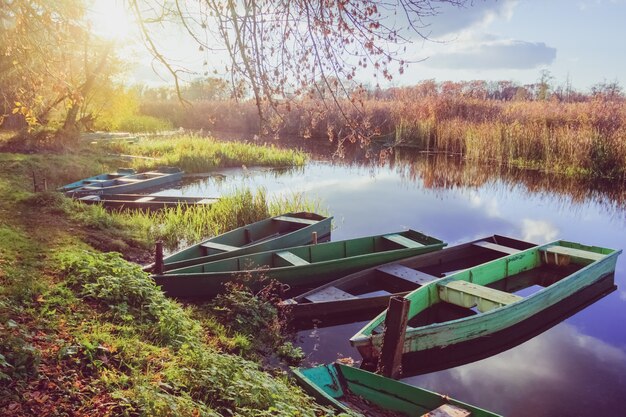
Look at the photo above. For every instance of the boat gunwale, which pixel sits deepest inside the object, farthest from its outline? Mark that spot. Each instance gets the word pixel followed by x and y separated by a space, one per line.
pixel 363 338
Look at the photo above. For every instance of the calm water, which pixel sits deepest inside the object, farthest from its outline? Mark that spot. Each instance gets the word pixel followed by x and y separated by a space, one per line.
pixel 577 368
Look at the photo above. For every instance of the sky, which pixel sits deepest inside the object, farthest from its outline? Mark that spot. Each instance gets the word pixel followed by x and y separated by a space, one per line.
pixel 577 40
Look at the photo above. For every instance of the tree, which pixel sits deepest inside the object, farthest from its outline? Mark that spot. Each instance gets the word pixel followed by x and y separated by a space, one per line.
pixel 50 62
pixel 284 49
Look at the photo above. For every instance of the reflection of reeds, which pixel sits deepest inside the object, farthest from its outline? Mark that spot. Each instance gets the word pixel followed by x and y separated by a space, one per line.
pixel 583 138
pixel 445 172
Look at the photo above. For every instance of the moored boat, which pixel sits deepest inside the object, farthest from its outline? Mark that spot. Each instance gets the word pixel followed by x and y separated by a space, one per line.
pixel 371 289
pixel 121 172
pixel 296 266
pixel 143 202
pixel 494 296
pixel 283 231
pixel 358 392
pixel 130 183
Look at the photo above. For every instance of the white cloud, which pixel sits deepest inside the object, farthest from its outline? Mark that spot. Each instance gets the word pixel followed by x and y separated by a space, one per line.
pixel 538 231
pixel 495 54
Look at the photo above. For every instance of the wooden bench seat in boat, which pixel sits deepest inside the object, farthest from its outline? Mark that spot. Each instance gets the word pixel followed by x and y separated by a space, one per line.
pixel 295 220
pixel 407 274
pixel 401 240
pixel 496 247
pixel 330 294
pixel 467 294
pixel 562 255
pixel 292 258
pixel 129 179
pixel 218 246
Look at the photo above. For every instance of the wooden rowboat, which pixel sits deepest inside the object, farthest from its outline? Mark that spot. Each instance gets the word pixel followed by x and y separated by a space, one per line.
pixel 541 277
pixel 370 289
pixel 130 183
pixel 121 172
pixel 358 392
pixel 142 201
pixel 297 266
pixel 286 230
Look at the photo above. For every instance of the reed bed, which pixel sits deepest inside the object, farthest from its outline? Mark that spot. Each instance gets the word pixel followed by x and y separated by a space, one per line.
pixel 584 138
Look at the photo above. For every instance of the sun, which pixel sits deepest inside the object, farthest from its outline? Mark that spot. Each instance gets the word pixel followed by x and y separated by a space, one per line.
pixel 111 19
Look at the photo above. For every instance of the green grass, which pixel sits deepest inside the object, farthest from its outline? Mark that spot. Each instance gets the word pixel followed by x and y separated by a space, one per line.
pixel 196 154
pixel 88 333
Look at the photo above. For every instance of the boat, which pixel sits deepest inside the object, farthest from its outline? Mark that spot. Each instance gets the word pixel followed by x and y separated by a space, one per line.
pixel 371 289
pixel 492 296
pixel 358 392
pixel 283 231
pixel 143 202
pixel 129 183
pixel 121 172
pixel 296 266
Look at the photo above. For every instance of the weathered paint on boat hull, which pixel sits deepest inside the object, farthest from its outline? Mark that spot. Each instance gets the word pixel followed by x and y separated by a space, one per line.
pixel 486 323
pixel 333 385
pixel 288 234
pixel 457 257
pixel 319 263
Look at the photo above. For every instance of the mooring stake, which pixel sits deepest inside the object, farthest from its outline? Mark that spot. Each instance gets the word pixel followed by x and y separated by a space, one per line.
pixel 314 238
pixel 390 361
pixel 158 258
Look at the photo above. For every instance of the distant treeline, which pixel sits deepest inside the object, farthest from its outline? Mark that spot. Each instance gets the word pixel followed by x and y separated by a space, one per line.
pixel 536 125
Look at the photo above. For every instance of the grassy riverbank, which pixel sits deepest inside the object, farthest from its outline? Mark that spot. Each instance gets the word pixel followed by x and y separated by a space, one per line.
pixel 87 333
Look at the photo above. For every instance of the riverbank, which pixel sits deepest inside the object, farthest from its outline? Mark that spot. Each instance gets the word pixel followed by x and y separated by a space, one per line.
pixel 84 331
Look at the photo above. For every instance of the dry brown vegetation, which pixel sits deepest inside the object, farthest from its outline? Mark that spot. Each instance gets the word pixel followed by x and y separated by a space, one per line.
pixel 567 132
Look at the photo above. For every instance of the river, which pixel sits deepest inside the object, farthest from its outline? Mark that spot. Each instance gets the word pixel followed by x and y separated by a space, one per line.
pixel 577 367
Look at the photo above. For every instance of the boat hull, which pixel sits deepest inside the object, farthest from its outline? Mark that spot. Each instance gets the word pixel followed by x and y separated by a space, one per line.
pixel 319 263
pixel 438 263
pixel 337 385
pixel 287 234
pixel 131 183
pixel 448 333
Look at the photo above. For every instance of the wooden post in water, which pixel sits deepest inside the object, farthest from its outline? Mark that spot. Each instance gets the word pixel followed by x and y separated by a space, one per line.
pixel 158 258
pixel 314 238
pixel 390 361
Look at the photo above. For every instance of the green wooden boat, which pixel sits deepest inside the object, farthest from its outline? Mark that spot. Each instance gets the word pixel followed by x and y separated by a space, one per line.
pixel 371 289
pixel 284 231
pixel 130 183
pixel 144 202
pixel 358 392
pixel 543 276
pixel 297 266
pixel 121 172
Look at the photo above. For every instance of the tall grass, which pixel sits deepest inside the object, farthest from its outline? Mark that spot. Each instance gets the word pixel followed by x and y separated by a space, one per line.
pixel 196 154
pixel 584 138
pixel 181 225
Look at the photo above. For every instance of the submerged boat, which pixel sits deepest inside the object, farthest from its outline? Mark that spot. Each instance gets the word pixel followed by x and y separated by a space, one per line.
pixel 493 296
pixel 358 392
pixel 142 201
pixel 296 266
pixel 283 231
pixel 130 183
pixel 371 289
pixel 121 172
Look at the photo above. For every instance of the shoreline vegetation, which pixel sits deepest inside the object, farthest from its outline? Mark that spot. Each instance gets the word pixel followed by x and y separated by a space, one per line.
pixel 84 331
pixel 536 126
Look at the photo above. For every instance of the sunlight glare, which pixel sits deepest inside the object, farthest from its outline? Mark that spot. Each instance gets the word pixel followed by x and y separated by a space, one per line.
pixel 111 19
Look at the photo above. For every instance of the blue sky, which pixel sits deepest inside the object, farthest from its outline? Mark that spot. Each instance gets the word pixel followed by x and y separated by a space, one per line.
pixel 582 40
pixel 515 40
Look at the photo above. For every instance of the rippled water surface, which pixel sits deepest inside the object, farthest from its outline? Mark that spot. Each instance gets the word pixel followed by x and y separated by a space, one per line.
pixel 576 368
